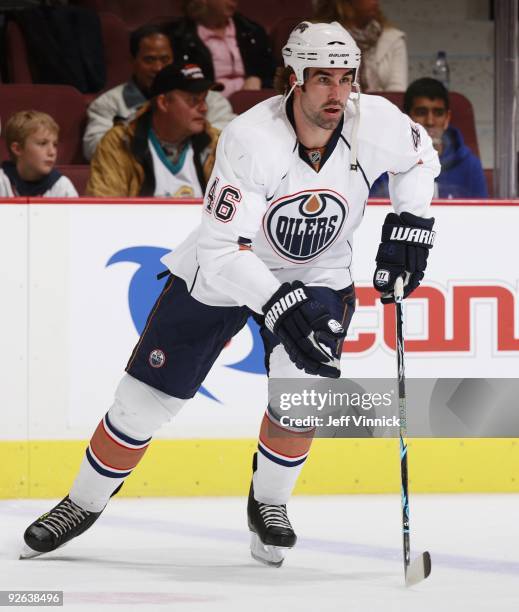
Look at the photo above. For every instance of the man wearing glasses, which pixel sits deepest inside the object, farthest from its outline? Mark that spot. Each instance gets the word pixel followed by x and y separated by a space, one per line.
pixel 168 149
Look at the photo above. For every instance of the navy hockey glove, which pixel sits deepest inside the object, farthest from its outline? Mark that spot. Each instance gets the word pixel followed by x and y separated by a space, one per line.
pixel 406 240
pixel 311 336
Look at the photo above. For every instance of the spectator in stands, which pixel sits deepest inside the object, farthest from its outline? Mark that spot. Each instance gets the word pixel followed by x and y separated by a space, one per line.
pixel 383 47
pixel 32 142
pixel 151 51
pixel 426 101
pixel 167 150
pixel 230 48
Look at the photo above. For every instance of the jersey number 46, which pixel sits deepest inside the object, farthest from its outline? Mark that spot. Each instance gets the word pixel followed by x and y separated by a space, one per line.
pixel 226 202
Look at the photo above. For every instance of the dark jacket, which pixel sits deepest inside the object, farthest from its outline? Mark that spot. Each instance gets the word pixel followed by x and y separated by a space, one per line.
pixel 65 46
pixel 253 44
pixel 461 173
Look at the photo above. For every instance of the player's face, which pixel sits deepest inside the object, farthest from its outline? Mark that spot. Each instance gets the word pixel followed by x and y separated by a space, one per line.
pixel 154 53
pixel 188 111
pixel 37 157
pixel 324 96
pixel 432 114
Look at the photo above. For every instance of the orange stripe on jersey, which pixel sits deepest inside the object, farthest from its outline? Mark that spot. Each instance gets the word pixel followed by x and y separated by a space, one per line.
pixel 280 440
pixel 113 454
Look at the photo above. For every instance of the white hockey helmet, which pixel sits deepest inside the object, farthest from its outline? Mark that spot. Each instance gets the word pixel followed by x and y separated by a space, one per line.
pixel 320 45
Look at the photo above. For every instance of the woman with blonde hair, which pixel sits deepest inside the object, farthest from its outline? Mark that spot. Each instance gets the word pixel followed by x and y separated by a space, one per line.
pixel 383 47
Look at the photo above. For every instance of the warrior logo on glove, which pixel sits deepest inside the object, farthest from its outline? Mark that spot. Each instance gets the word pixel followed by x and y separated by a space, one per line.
pixel 403 252
pixel 310 335
pixel 282 305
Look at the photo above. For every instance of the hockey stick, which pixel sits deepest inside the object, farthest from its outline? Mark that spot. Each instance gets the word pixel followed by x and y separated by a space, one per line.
pixel 420 568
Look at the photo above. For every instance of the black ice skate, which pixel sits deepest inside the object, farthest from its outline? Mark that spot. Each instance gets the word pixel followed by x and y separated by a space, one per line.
pixel 56 527
pixel 271 531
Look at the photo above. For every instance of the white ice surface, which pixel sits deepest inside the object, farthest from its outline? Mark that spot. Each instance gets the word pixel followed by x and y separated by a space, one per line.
pixel 192 554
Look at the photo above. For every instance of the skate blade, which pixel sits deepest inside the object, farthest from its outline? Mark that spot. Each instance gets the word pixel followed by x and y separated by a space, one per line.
pixel 273 556
pixel 29 553
pixel 418 570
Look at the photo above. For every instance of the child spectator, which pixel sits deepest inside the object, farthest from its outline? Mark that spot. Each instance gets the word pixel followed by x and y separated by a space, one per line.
pixel 32 142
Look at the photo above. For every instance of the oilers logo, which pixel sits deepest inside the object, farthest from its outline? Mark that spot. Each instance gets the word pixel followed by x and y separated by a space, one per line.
pixel 301 226
pixel 157 358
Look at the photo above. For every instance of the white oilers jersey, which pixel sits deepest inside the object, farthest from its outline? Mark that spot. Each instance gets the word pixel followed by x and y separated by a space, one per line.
pixel 270 217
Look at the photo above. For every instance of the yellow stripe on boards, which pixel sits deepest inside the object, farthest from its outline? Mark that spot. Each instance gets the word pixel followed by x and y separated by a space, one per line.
pixel 46 468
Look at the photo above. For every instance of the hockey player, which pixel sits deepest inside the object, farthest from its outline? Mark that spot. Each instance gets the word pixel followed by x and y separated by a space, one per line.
pixel 289 188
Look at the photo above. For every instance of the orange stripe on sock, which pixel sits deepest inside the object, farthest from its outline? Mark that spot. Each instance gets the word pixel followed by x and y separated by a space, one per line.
pixel 113 454
pixel 280 440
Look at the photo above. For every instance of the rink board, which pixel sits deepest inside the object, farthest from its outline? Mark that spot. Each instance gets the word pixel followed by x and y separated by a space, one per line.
pixel 79 279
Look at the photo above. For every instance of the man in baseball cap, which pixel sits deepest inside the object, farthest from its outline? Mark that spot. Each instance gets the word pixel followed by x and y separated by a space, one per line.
pixel 168 149
pixel 187 77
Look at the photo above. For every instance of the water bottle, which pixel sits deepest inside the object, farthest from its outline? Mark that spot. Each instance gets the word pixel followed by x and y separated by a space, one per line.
pixel 441 69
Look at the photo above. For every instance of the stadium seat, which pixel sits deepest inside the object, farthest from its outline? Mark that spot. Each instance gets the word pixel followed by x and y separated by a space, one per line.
pixel 462 115
pixel 78 174
pixel 116 37
pixel 268 12
pixel 243 100
pixel 64 103
pixel 489 176
pixel 279 36
pixel 17 58
pixel 134 13
pixel 116 44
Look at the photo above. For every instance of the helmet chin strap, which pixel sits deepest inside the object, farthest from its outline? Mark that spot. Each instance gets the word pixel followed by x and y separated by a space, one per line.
pixel 285 99
pixel 356 120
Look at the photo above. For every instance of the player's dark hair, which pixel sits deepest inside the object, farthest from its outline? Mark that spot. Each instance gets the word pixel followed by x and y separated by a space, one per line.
pixel 425 88
pixel 282 79
pixel 143 32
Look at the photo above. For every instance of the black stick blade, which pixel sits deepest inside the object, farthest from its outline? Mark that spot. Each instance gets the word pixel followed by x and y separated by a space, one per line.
pixel 419 569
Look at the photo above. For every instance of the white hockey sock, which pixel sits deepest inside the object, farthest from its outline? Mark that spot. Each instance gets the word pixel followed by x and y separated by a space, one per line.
pixel 276 476
pixel 120 441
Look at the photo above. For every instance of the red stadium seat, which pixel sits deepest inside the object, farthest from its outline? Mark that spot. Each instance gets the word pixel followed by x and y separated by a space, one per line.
pixel 462 115
pixel 268 12
pixel 116 41
pixel 116 44
pixel 279 36
pixel 64 103
pixel 78 174
pixel 135 13
pixel 489 176
pixel 17 58
pixel 243 100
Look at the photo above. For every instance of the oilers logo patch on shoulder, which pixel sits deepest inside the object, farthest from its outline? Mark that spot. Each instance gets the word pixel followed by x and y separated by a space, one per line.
pixel 301 226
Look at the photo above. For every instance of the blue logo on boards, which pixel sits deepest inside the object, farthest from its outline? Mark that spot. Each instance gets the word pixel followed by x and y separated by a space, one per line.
pixel 144 289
